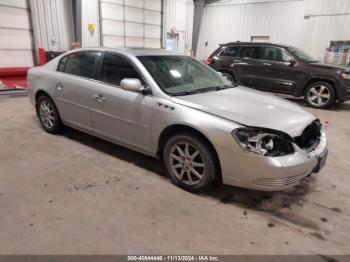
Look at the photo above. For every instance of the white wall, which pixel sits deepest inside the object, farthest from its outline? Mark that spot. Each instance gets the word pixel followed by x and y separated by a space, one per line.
pixel 131 23
pixel 179 14
pixel 90 15
pixel 16 48
pixel 176 13
pixel 282 20
pixel 320 30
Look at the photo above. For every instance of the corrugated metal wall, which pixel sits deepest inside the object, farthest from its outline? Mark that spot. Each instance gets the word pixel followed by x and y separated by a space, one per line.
pixel 282 20
pixel 179 14
pixel 52 24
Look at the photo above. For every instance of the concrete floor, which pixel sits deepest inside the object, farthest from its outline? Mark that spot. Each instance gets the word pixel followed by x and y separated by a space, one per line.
pixel 75 194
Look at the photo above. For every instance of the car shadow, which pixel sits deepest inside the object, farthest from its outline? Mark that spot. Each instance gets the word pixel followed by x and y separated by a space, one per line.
pixel 229 195
pixel 117 151
pixel 263 200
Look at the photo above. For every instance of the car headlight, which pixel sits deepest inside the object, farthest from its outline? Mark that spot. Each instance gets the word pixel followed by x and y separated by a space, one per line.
pixel 263 142
pixel 345 76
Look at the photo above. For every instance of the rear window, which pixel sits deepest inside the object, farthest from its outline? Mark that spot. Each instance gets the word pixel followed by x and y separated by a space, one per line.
pixel 62 64
pixel 230 51
pixel 80 64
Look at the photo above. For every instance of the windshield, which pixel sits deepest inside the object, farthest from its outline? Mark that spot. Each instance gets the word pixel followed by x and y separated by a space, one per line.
pixel 183 75
pixel 302 55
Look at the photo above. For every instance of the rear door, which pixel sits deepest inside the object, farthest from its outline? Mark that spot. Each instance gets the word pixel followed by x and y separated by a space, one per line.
pixel 280 75
pixel 117 114
pixel 226 58
pixel 248 66
pixel 73 84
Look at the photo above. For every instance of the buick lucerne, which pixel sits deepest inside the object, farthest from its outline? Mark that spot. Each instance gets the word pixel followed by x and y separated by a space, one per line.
pixel 177 109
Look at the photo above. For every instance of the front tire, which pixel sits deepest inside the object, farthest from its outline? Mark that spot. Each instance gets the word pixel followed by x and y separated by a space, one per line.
pixel 190 162
pixel 48 115
pixel 320 95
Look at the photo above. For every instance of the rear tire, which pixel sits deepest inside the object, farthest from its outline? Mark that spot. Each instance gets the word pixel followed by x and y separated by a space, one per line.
pixel 48 115
pixel 320 95
pixel 190 162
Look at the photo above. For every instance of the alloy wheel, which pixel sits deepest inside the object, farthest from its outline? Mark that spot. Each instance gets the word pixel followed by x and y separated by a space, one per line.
pixel 187 163
pixel 319 95
pixel 47 114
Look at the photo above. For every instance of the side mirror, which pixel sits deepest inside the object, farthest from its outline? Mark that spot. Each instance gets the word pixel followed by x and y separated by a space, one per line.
pixel 132 85
pixel 219 73
pixel 292 62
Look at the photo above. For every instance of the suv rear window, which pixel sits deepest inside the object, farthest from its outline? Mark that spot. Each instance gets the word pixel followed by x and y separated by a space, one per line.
pixel 230 51
pixel 253 52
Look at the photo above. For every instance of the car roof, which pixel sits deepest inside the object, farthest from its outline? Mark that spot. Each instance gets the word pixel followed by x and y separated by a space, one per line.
pixel 253 43
pixel 132 51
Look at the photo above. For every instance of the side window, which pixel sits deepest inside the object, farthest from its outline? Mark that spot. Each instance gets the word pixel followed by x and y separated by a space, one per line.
pixel 286 56
pixel 62 64
pixel 115 68
pixel 276 54
pixel 253 52
pixel 230 51
pixel 81 64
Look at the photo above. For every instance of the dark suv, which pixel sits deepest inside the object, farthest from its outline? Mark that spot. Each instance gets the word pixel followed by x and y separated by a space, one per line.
pixel 282 69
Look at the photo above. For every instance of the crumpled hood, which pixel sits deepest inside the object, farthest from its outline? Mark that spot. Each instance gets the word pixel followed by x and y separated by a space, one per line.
pixel 251 108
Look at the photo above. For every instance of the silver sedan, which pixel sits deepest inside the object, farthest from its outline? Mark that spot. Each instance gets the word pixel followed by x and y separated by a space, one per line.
pixel 173 107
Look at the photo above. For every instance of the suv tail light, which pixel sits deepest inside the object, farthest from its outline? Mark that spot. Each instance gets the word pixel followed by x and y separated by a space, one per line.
pixel 210 60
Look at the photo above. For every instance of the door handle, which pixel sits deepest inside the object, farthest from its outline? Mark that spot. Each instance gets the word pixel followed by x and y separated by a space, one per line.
pixel 100 98
pixel 267 64
pixel 237 61
pixel 59 86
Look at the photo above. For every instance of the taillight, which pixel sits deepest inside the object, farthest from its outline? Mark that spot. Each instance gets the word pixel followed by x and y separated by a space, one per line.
pixel 210 60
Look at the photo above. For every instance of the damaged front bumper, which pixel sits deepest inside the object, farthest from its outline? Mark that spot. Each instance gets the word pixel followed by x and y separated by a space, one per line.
pixel 273 173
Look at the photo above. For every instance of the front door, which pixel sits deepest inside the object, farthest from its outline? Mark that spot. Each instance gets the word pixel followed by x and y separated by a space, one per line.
pixel 117 114
pixel 280 75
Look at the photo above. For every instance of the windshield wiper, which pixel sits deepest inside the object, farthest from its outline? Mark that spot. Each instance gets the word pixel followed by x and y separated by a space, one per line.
pixel 185 93
pixel 203 90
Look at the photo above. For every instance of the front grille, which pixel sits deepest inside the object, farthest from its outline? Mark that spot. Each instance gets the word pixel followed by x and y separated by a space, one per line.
pixel 278 182
pixel 310 137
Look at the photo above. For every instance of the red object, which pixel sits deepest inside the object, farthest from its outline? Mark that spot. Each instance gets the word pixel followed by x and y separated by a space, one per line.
pixel 42 56
pixel 210 60
pixel 19 82
pixel 14 77
pixel 13 71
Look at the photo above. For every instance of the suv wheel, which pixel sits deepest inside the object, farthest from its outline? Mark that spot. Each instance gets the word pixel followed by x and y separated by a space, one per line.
pixel 48 115
pixel 190 162
pixel 320 95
